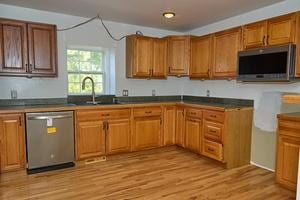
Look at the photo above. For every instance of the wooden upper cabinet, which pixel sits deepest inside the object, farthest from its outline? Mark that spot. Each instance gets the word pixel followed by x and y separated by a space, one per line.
pixel 12 142
pixel 160 51
pixel 13 47
pixel 27 49
pixel 178 55
pixel 226 47
pixel 42 49
pixel 201 56
pixel 254 35
pixel 146 57
pixel 281 30
pixel 274 31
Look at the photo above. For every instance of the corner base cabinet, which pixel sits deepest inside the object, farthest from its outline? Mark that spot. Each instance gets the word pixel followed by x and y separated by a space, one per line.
pixel 12 142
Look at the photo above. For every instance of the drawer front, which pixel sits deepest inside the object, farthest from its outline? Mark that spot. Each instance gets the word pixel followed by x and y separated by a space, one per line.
pixel 195 113
pixel 147 111
pixel 289 127
pixel 214 116
pixel 103 114
pixel 213 150
pixel 213 131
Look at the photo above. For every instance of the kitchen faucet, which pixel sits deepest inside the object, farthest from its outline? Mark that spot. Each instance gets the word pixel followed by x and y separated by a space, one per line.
pixel 93 88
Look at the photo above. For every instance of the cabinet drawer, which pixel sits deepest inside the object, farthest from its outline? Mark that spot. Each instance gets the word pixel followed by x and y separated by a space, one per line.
pixel 213 150
pixel 213 131
pixel 290 126
pixel 147 111
pixel 102 114
pixel 214 116
pixel 192 112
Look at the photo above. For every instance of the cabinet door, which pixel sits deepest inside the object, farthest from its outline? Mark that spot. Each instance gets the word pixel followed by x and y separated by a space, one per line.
pixel 169 125
pixel 193 134
pixel 160 50
pixel 90 140
pixel 42 49
pixel 226 47
pixel 281 30
pixel 143 58
pixel 12 134
pixel 254 35
pixel 180 124
pixel 118 136
pixel 178 55
pixel 201 51
pixel 147 133
pixel 287 161
pixel 13 47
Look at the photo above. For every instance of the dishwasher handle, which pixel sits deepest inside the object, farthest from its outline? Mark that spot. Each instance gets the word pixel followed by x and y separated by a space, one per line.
pixel 50 117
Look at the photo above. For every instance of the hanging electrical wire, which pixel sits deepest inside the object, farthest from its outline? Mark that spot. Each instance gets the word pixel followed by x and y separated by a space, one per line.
pixel 98 17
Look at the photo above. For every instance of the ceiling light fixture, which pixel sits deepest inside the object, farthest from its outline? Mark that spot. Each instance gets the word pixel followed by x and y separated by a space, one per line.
pixel 169 15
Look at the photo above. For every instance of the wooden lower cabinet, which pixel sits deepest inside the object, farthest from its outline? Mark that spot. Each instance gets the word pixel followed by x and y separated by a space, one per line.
pixel 146 132
pixel 288 146
pixel 180 123
pixel 90 139
pixel 118 136
pixel 12 142
pixel 193 131
pixel 169 125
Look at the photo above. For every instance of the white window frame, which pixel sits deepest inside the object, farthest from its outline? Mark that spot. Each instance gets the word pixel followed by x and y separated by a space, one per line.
pixel 104 72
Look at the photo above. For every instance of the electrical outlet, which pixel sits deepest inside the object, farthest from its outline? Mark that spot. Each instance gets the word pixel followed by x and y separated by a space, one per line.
pixel 125 93
pixel 208 93
pixel 153 92
pixel 14 94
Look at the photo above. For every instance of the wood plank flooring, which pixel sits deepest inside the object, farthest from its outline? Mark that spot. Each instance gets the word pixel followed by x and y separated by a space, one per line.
pixel 166 173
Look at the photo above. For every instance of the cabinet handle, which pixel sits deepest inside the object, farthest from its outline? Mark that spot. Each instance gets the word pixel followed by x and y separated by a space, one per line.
pixel 151 72
pixel 212 131
pixel 264 40
pixel 213 116
pixel 210 149
pixel 104 125
pixel 30 68
pixel 107 126
pixel 148 112
pixel 105 115
pixel 193 113
pixel 20 121
pixel 169 69
pixel 267 40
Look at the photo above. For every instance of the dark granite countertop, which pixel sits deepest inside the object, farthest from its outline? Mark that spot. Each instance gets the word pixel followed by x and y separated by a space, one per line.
pixel 53 105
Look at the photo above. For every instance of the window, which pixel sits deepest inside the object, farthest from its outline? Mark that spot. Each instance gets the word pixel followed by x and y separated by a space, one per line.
pixel 83 63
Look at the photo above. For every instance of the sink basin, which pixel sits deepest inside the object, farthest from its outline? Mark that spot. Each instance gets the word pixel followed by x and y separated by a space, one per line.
pixel 89 103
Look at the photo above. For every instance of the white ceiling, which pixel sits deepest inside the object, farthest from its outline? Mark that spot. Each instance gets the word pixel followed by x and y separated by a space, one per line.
pixel 190 14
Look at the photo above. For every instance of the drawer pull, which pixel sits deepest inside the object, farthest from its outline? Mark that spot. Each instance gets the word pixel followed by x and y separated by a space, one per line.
pixel 213 116
pixel 193 113
pixel 105 115
pixel 212 131
pixel 210 149
pixel 148 112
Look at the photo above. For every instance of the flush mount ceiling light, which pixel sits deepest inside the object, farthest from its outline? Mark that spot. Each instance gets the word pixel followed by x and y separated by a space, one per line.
pixel 168 15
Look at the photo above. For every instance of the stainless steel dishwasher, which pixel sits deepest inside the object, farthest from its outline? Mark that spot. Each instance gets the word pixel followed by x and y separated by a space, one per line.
pixel 49 140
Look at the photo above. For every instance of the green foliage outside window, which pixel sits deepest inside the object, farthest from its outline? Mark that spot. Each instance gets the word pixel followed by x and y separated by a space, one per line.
pixel 83 63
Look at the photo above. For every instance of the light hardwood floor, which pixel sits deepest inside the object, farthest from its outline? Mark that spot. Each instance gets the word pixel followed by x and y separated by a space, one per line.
pixel 166 173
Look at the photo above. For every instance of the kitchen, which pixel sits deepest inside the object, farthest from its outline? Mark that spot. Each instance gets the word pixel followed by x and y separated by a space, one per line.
pixel 92 35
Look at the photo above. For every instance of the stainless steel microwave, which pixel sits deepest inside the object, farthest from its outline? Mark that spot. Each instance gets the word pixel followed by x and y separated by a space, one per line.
pixel 269 64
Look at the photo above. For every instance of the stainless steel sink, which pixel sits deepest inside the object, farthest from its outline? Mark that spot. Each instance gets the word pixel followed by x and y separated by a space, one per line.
pixel 90 103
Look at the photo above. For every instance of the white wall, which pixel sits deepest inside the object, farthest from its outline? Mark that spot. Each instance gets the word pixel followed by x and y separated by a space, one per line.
pixel 89 35
pixel 263 141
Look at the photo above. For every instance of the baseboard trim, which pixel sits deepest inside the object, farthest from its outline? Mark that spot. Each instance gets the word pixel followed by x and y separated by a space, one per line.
pixel 260 166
